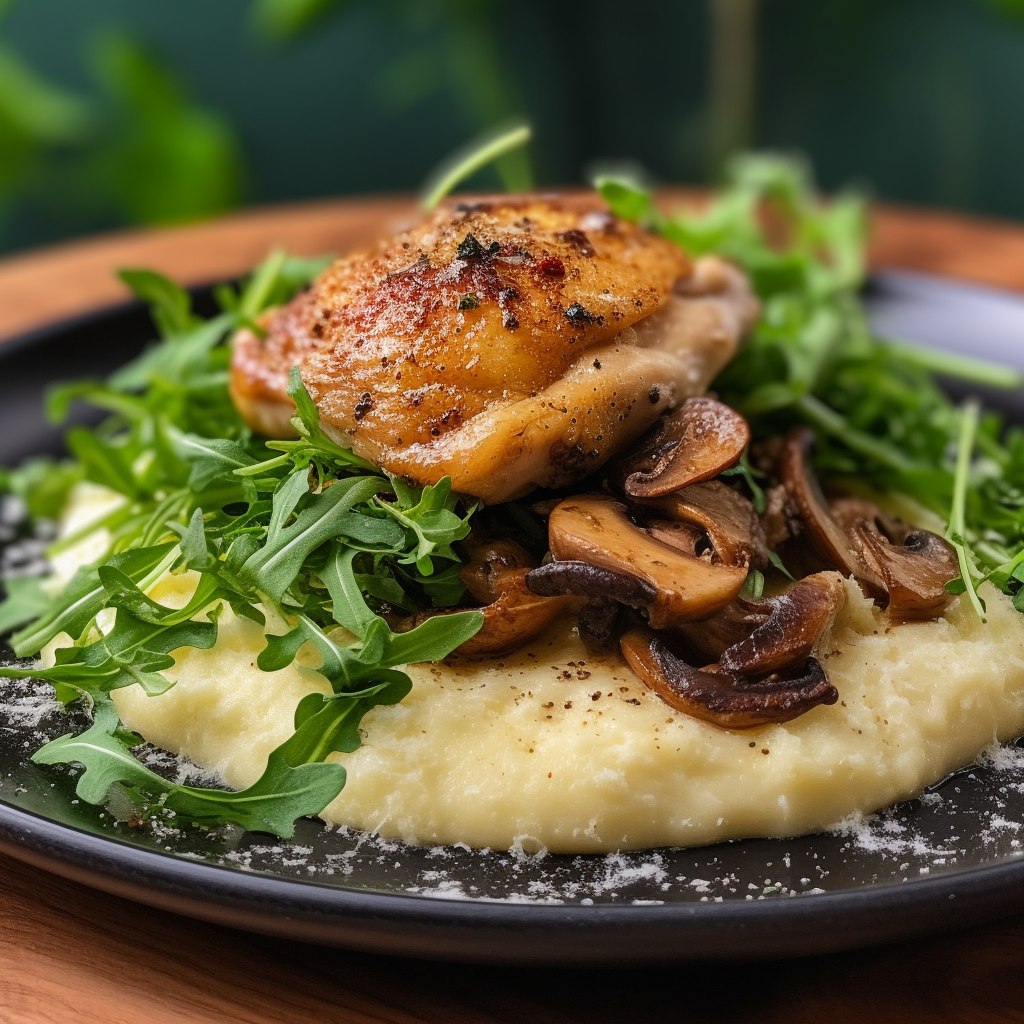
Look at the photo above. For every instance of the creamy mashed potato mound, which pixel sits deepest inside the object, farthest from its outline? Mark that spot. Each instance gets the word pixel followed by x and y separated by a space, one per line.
pixel 554 748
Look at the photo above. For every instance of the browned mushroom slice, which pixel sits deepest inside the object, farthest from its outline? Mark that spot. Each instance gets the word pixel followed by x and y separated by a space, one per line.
pixel 606 591
pixel 847 512
pixel 595 528
pixel 725 698
pixel 730 520
pixel 513 614
pixel 915 573
pixel 682 536
pixel 696 442
pixel 490 564
pixel 794 625
pixel 516 616
pixel 600 623
pixel 712 637
pixel 585 580
pixel 823 534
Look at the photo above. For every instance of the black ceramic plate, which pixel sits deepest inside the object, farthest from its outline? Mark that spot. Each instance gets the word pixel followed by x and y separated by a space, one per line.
pixel 949 859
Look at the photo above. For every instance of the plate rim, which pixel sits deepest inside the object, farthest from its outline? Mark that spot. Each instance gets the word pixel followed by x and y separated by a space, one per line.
pixel 449 929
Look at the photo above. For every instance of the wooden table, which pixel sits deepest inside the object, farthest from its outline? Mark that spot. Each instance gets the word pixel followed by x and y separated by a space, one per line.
pixel 68 953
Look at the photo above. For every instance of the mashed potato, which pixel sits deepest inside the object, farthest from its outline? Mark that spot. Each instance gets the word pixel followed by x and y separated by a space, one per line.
pixel 552 747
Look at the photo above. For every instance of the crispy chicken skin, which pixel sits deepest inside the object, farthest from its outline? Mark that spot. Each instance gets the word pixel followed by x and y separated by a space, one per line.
pixel 508 343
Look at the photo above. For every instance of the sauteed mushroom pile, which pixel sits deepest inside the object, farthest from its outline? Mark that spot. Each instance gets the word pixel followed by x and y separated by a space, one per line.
pixel 659 564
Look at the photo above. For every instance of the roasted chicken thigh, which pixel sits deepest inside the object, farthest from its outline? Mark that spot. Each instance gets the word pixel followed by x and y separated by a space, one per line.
pixel 508 343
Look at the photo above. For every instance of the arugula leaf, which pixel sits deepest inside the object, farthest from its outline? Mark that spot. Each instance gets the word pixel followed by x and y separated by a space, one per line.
pixel 314 445
pixel 104 754
pixel 171 305
pixel 433 639
pixel 326 515
pixel 210 459
pixel 84 596
pixel 292 785
pixel 350 608
pixel 135 651
pixel 956 529
pixel 26 599
pixel 195 548
pixel 282 794
pixel 431 520
pixel 103 462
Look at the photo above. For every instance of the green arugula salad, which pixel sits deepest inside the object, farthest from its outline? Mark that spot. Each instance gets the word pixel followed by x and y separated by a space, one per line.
pixel 306 534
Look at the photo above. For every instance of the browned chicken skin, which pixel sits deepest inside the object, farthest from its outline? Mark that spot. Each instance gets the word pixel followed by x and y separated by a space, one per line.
pixel 508 343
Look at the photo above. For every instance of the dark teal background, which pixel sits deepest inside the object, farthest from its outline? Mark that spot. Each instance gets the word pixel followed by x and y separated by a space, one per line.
pixel 921 100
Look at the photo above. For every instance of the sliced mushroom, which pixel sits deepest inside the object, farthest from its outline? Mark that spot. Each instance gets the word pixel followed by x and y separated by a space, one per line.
pixel 712 637
pixel 606 590
pixel 677 534
pixel 758 637
pixel 915 573
pixel 847 512
pixel 730 520
pixel 513 614
pixel 823 534
pixel 795 622
pixel 585 580
pixel 725 698
pixel 516 616
pixel 597 530
pixel 900 567
pixel 695 442
pixel 490 564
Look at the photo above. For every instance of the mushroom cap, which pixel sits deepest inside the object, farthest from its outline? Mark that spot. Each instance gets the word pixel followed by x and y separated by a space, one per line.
pixel 516 616
pixel 607 591
pixel 585 580
pixel 513 614
pixel 487 572
pixel 694 443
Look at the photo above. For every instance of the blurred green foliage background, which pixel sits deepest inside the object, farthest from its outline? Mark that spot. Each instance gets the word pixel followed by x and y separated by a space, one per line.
pixel 119 112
